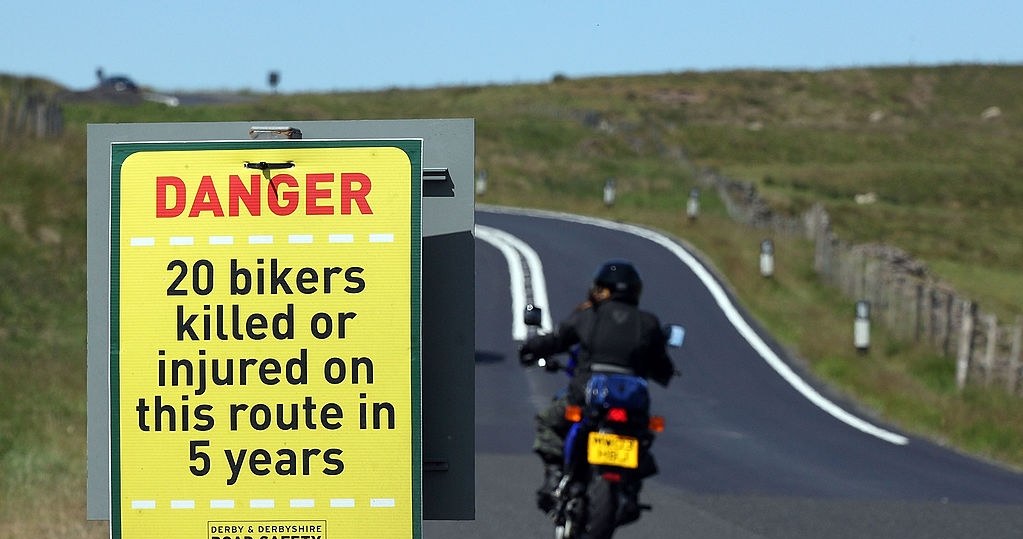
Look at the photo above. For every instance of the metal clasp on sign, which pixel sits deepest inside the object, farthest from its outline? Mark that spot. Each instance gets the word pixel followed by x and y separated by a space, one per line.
pixel 272 132
pixel 265 166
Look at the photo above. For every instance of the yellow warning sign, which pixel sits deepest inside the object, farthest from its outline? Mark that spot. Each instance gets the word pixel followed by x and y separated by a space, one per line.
pixel 264 363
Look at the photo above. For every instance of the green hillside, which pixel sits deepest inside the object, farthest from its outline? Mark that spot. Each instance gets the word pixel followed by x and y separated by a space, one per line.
pixel 940 149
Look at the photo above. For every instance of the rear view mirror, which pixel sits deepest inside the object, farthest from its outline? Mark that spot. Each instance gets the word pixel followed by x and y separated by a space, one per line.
pixel 532 316
pixel 676 335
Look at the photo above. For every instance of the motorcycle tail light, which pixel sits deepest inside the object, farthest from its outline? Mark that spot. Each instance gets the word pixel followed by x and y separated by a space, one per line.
pixel 574 413
pixel 612 477
pixel 618 415
pixel 656 423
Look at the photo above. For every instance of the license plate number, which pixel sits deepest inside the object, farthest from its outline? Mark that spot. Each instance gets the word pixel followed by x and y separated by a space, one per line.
pixel 613 450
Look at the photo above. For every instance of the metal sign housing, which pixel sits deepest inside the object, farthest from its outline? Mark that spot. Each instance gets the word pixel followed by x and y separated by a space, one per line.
pixel 223 296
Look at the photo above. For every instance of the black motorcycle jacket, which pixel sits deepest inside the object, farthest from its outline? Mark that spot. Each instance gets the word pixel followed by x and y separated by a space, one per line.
pixel 611 332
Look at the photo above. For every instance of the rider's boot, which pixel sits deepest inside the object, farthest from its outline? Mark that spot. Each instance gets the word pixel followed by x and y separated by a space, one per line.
pixel 545 494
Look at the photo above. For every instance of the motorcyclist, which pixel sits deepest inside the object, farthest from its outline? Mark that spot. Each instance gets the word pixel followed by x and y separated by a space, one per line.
pixel 608 329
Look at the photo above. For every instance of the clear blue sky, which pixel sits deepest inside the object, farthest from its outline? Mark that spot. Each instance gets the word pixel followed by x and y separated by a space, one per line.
pixel 321 45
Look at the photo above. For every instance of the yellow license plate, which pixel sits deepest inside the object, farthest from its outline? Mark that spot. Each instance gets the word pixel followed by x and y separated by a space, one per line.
pixel 613 450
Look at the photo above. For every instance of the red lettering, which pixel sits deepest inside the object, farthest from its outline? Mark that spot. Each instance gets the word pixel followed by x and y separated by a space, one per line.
pixel 290 197
pixel 250 197
pixel 285 195
pixel 358 195
pixel 206 199
pixel 312 194
pixel 162 184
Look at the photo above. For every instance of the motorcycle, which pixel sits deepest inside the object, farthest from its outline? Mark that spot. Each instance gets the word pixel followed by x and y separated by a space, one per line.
pixel 607 449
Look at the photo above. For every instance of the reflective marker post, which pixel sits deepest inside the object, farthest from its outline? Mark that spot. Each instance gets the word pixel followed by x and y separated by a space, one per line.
pixel 693 204
pixel 861 327
pixel 767 258
pixel 609 192
pixel 481 182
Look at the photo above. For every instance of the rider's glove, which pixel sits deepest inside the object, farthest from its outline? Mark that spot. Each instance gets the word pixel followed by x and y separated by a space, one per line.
pixel 526 357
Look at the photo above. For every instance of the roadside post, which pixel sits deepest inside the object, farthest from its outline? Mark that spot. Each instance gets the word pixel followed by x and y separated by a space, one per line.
pixel 609 192
pixel 262 355
pixel 693 204
pixel 481 183
pixel 861 327
pixel 766 258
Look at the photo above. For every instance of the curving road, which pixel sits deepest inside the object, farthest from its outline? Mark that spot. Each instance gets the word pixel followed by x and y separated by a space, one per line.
pixel 752 448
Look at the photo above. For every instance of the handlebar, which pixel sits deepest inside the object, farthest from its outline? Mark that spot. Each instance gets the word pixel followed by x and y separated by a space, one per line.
pixel 553 365
pixel 550 365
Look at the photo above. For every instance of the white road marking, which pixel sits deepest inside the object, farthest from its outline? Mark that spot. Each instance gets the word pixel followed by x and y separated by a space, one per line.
pixel 730 311
pixel 512 248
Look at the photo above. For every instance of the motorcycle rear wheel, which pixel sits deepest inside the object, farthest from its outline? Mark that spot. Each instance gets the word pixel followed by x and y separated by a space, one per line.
pixel 602 510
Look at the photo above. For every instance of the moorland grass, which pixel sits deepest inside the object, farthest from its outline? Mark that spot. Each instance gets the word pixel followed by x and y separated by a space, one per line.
pixel 949 186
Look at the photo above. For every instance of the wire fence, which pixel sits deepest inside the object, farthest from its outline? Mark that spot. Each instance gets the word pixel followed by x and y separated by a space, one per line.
pixel 911 303
pixel 27 113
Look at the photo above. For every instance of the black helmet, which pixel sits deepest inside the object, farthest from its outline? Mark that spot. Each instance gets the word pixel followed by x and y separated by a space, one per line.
pixel 621 278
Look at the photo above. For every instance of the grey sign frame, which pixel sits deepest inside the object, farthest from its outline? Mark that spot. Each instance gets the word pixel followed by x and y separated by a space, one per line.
pixel 448 282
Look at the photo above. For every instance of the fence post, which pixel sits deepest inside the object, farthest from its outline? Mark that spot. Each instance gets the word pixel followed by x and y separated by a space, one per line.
pixel 965 345
pixel 911 308
pixel 866 280
pixel 29 114
pixel 922 317
pixel 946 334
pixel 888 288
pixel 926 314
pixel 1012 377
pixel 990 347
pixel 817 226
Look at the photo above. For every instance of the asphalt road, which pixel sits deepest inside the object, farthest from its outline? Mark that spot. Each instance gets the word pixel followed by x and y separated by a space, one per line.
pixel 747 453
